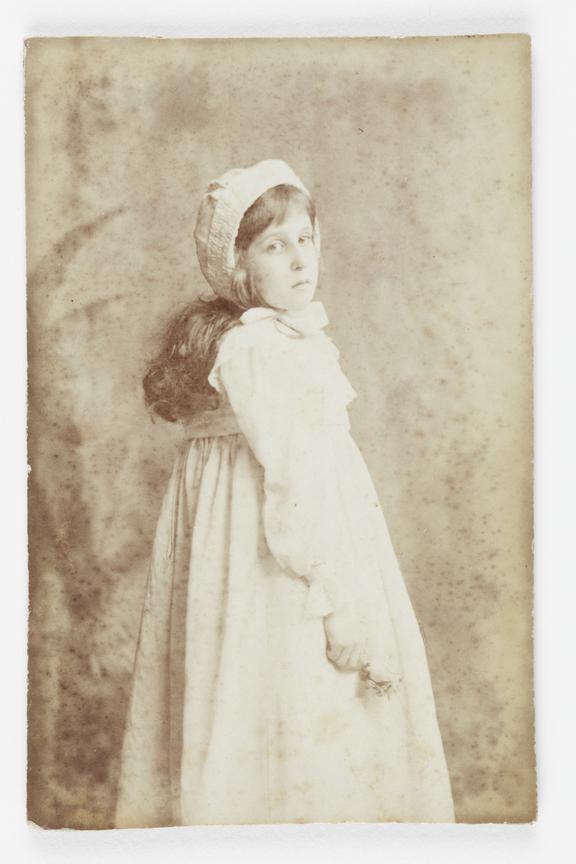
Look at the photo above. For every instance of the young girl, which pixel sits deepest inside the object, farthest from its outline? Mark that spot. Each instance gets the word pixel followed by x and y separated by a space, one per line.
pixel 280 674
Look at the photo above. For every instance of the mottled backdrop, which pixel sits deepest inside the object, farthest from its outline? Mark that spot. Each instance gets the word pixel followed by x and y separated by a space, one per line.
pixel 418 153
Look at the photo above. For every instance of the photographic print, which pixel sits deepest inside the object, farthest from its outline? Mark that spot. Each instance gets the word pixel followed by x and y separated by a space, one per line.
pixel 280 431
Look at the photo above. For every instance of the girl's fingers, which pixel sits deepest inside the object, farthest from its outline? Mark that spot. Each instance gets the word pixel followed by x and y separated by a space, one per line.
pixel 378 673
pixel 344 657
pixel 355 660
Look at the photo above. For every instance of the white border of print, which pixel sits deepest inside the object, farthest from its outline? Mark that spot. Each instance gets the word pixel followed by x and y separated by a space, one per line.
pixel 551 23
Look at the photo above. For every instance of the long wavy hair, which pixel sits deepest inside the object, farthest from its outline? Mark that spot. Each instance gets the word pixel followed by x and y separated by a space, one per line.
pixel 176 380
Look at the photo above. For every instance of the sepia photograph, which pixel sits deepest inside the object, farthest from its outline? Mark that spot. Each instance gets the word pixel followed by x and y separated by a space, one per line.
pixel 280 516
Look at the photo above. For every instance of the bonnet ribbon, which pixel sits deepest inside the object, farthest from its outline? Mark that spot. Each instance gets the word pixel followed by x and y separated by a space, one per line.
pixel 296 324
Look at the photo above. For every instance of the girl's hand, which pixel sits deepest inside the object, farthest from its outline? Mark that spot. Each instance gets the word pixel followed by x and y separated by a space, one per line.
pixel 346 641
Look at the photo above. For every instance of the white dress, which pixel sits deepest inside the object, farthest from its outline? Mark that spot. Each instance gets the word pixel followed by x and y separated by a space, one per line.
pixel 270 520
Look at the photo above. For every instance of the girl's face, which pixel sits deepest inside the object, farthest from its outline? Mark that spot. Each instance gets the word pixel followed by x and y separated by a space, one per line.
pixel 282 262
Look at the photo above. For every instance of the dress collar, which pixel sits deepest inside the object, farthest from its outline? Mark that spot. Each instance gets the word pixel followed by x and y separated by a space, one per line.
pixel 312 319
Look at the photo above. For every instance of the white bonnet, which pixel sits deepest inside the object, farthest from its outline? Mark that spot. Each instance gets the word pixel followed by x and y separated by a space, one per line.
pixel 221 211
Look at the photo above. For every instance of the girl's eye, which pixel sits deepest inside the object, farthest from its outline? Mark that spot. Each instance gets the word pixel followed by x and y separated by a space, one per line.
pixel 274 247
pixel 305 238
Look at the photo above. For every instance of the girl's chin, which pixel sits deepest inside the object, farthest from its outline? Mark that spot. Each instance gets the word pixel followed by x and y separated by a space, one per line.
pixel 298 304
pixel 294 308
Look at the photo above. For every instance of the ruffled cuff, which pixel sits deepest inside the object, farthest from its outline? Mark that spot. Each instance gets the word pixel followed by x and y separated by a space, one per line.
pixel 325 594
pixel 318 602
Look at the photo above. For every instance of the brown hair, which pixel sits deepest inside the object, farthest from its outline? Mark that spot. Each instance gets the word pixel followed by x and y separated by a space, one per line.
pixel 176 380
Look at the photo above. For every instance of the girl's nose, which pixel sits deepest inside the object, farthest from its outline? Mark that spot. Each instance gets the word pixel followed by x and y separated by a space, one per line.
pixel 298 258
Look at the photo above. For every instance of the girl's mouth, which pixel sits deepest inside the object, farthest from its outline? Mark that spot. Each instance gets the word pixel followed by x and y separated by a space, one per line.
pixel 302 284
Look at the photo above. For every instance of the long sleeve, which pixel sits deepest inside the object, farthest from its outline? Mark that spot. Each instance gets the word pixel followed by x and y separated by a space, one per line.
pixel 278 412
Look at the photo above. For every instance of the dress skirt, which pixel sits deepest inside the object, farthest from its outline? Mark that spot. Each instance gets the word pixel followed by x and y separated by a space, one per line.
pixel 236 714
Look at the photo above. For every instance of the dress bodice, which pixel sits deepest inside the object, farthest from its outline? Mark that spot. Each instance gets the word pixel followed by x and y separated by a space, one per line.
pixel 300 374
